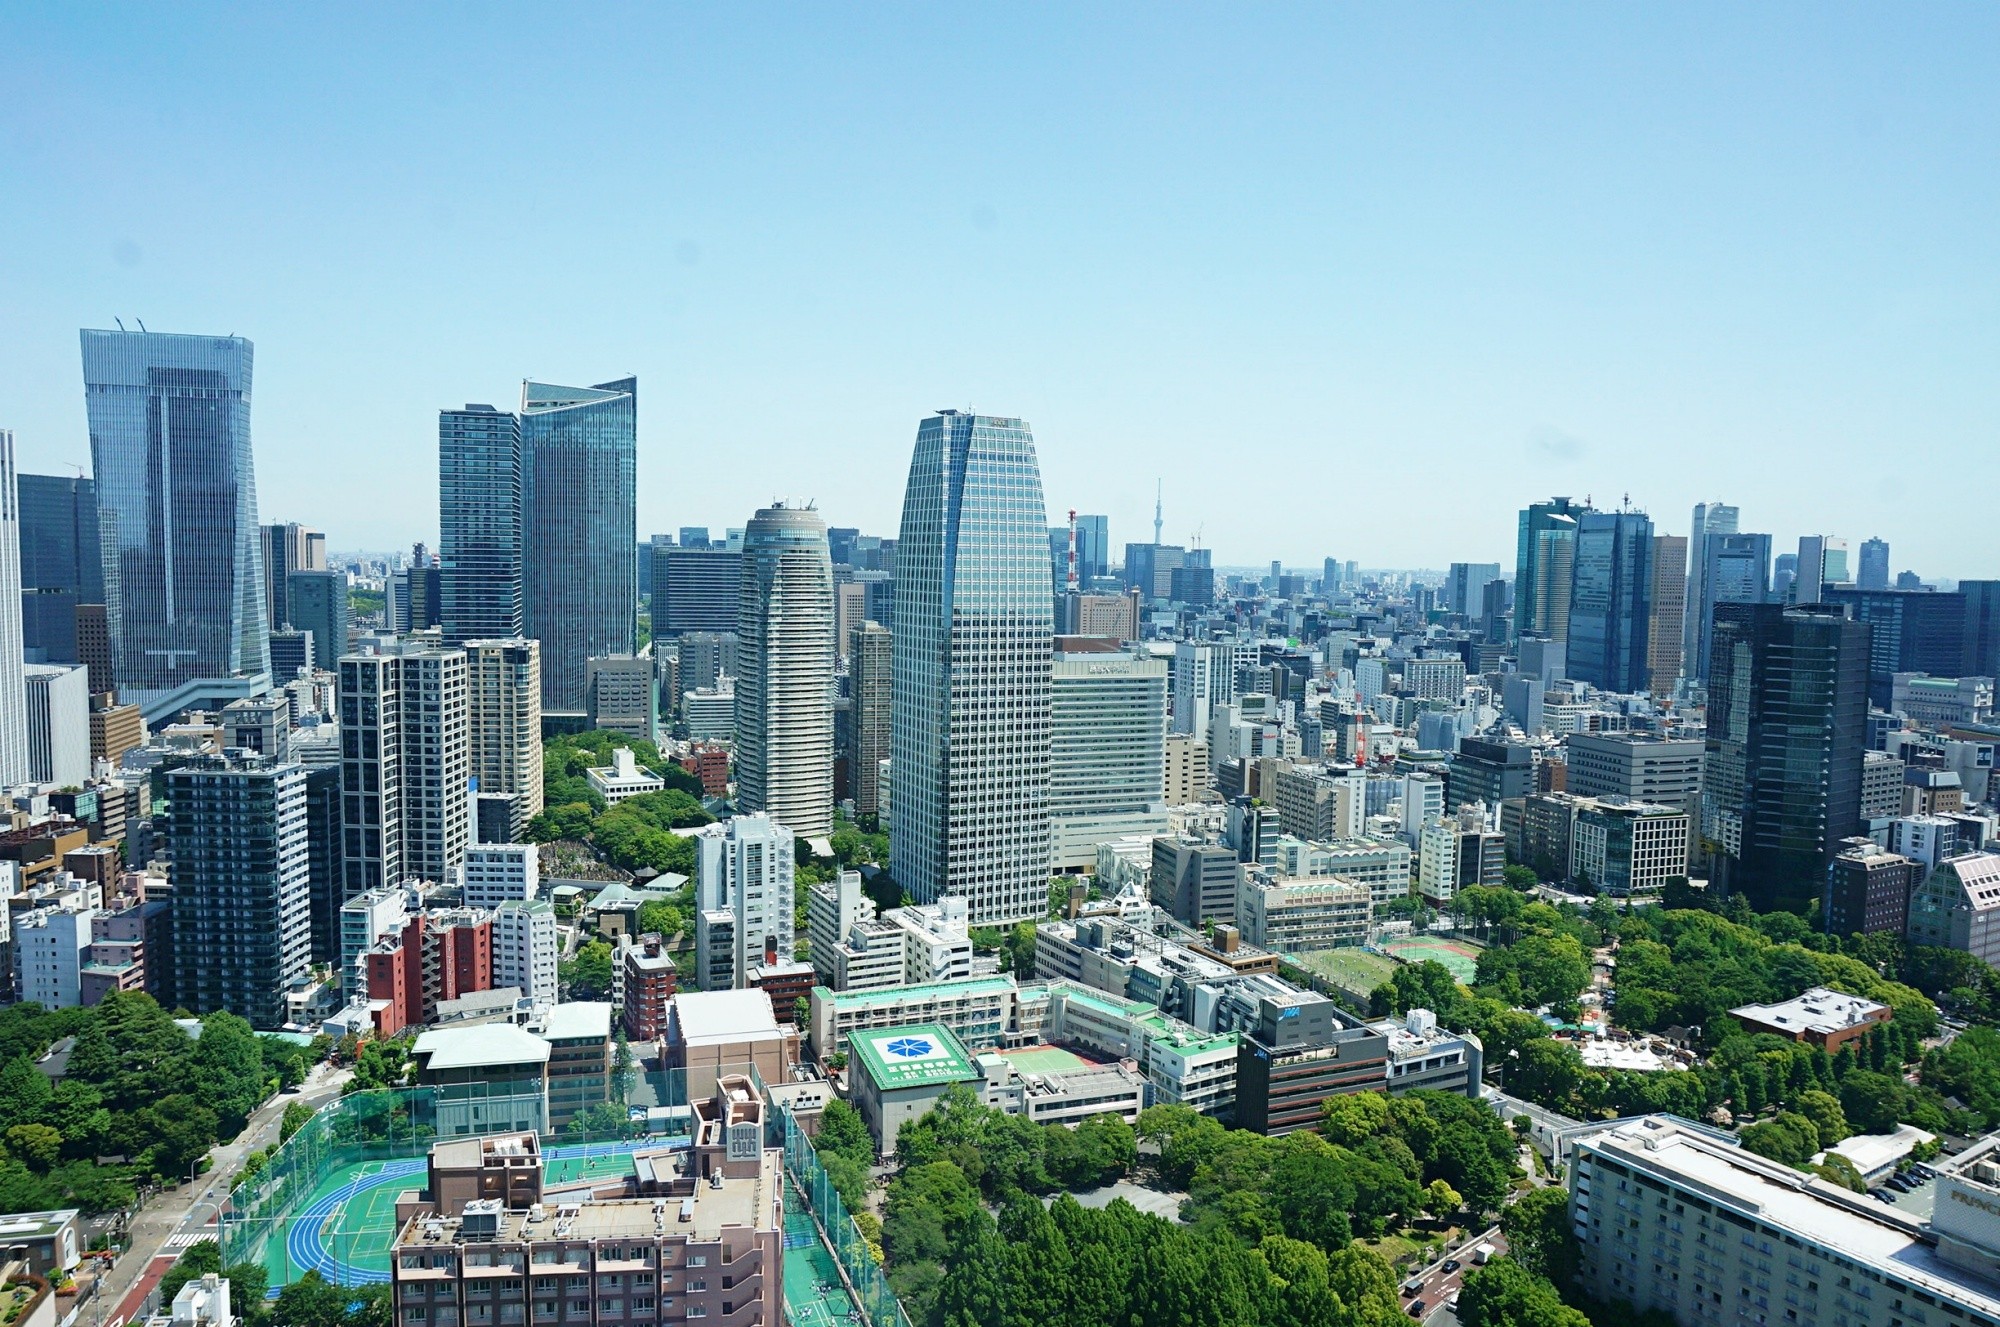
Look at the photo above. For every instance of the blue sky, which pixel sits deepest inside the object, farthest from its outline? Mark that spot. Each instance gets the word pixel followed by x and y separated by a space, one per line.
pixel 1356 281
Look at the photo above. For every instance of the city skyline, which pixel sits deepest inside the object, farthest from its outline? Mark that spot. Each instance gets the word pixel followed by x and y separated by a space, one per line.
pixel 1592 291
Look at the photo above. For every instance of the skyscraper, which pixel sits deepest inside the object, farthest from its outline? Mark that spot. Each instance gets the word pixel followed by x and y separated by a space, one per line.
pixel 1981 654
pixel 1736 570
pixel 1710 518
pixel 288 547
pixel 1670 583
pixel 504 723
pixel 1465 586
pixel 743 883
pixel 61 566
pixel 1107 749
pixel 479 524
pixel 1822 564
pixel 1093 548
pixel 177 511
pixel 695 589
pixel 1543 556
pixel 784 671
pixel 869 677
pixel 317 601
pixel 405 764
pixel 1611 604
pixel 970 699
pixel 1874 572
pixel 579 466
pixel 1915 631
pixel 13 663
pixel 1787 723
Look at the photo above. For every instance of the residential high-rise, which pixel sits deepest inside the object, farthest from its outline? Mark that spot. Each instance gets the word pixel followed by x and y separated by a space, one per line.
pixel 58 724
pixel 1915 631
pixel 1787 723
pixel 404 757
pixel 525 947
pixel 1710 519
pixel 1611 609
pixel 479 524
pixel 1874 571
pixel 503 684
pixel 241 876
pixel 1107 754
pixel 784 671
pixel 1663 637
pixel 177 513
pixel 13 675
pixel 870 682
pixel 61 564
pixel 695 589
pixel 970 703
pixel 318 603
pixel 1543 554
pixel 579 466
pixel 743 873
pixel 1736 570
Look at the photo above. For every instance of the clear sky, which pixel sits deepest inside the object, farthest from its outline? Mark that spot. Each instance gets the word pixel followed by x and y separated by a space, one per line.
pixel 1354 281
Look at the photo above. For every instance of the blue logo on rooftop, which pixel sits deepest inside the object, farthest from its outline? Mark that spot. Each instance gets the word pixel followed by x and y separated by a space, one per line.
pixel 910 1048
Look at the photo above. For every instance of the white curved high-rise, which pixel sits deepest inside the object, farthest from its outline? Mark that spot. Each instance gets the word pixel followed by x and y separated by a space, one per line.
pixel 969 704
pixel 784 671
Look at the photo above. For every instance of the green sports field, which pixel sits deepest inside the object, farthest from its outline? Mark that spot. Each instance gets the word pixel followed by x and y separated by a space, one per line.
pixel 1461 956
pixel 1354 970
pixel 815 1296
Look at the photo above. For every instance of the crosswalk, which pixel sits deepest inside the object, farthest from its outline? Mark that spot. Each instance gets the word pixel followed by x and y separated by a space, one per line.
pixel 185 1238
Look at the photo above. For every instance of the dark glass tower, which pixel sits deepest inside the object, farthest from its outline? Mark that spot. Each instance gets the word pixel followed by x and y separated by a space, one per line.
pixel 1611 601
pixel 177 511
pixel 479 524
pixel 1543 555
pixel 579 474
pixel 1916 631
pixel 1787 723
pixel 1736 569
pixel 60 563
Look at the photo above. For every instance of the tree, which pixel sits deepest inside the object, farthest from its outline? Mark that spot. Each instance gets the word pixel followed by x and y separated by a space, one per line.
pixel 1873 1103
pixel 1789 1138
pixel 1505 1294
pixel 36 1144
pixel 1441 1200
pixel 1352 1118
pixel 1823 1109
pixel 1522 878
pixel 588 975
pixel 311 1301
pixel 1425 985
pixel 842 1132
pixel 297 1113
pixel 1539 1235
pixel 197 1260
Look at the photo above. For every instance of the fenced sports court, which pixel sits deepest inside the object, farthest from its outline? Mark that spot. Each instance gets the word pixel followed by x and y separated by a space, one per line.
pixel 1461 956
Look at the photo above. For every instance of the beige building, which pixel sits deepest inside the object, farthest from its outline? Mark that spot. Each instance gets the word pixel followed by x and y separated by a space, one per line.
pixel 1187 769
pixel 504 702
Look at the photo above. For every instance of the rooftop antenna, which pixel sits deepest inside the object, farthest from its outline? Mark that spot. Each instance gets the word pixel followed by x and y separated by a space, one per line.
pixel 1156 513
pixel 1069 582
pixel 119 321
pixel 142 325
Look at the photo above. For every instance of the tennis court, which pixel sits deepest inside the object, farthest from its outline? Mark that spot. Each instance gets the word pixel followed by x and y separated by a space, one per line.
pixel 345 1227
pixel 1461 956
pixel 815 1296
pixel 1045 1060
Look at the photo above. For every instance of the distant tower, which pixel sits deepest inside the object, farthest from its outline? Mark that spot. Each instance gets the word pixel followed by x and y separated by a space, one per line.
pixel 784 677
pixel 1156 511
pixel 13 668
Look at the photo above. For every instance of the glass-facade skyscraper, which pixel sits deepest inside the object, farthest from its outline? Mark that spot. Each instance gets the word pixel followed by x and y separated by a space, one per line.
pixel 479 524
pixel 1543 555
pixel 579 525
pixel 1710 518
pixel 13 665
pixel 1736 569
pixel 784 671
pixel 60 563
pixel 969 699
pixel 1611 600
pixel 177 513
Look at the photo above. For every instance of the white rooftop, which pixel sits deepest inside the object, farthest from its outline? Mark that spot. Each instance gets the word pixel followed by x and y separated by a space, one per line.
pixel 580 1018
pixel 471 1047
pixel 711 1016
pixel 1816 1010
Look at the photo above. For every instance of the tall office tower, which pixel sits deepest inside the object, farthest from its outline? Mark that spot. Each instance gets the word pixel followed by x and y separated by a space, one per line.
pixel 1465 586
pixel 318 603
pixel 479 524
pixel 241 879
pixel 503 686
pixel 1543 555
pixel 784 671
pixel 1663 638
pixel 1611 608
pixel 1874 571
pixel 870 684
pixel 693 536
pixel 1737 570
pixel 1093 548
pixel 1710 518
pixel 13 662
pixel 1787 723
pixel 1107 748
pixel 1980 655
pixel 970 702
pixel 405 764
pixel 1204 678
pixel 288 547
pixel 743 871
pixel 1822 565
pixel 58 700
pixel 695 589
pixel 177 510
pixel 61 564
pixel 1914 631
pixel 579 465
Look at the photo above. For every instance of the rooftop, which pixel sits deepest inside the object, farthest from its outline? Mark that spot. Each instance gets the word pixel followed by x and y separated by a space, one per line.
pixel 1816 1010
pixel 473 1047
pixel 578 1019
pixel 711 1016
pixel 897 995
pixel 35 1225
pixel 925 1055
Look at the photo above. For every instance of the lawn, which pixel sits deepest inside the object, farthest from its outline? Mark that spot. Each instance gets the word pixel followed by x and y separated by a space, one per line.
pixel 1353 970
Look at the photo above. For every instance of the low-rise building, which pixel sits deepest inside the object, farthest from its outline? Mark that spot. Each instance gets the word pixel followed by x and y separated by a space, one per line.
pixel 622 778
pixel 1818 1017
pixel 489 1078
pixel 1958 907
pixel 579 1038
pixel 1382 864
pixel 1627 849
pixel 898 1075
pixel 1051 1085
pixel 645 980
pixel 48 1239
pixel 714 1034
pixel 1194 879
pixel 1294 916
pixel 981 1012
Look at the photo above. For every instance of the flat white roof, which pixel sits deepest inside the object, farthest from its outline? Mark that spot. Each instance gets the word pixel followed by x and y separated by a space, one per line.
pixel 582 1018
pixel 1816 1010
pixel 492 1043
pixel 707 1016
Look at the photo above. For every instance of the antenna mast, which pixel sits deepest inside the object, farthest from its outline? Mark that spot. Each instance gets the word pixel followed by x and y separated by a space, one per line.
pixel 1070 580
pixel 1156 513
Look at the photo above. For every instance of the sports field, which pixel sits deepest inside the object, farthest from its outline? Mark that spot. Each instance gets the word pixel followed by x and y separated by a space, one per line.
pixel 1461 956
pixel 344 1228
pixel 1354 970
pixel 1046 1060
pixel 815 1296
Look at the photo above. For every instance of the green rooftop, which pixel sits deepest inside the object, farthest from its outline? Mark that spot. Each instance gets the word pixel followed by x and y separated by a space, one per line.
pixel 924 1055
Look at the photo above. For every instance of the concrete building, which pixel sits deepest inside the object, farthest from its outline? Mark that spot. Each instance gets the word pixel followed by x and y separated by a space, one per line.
pixel 489 1078
pixel 405 760
pixel 496 873
pixel 1456 852
pixel 1318 804
pixel 1381 864
pixel 58 709
pixel 525 949
pixel 1291 915
pixel 870 676
pixel 1053 1085
pixel 1194 879
pixel 1958 907
pixel 1641 766
pixel 1204 678
pixel 1488 771
pixel 980 1011
pixel 1881 787
pixel 715 1034
pixel 785 665
pixel 1627 849
pixel 624 777
pixel 1295 1054
pixel 1186 778
pixel 1867 890
pixel 51 949
pixel 1818 1017
pixel 1107 759
pixel 645 983
pixel 620 695
pixel 901 1074
pixel 579 1038
pixel 743 899
pixel 1939 702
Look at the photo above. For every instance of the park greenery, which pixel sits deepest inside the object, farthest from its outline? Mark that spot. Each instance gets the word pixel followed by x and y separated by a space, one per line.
pixel 310 1301
pixel 139 1101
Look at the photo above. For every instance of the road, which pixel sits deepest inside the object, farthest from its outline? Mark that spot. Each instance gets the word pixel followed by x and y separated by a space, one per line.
pixel 190 1209
pixel 1547 1123
pixel 1440 1285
